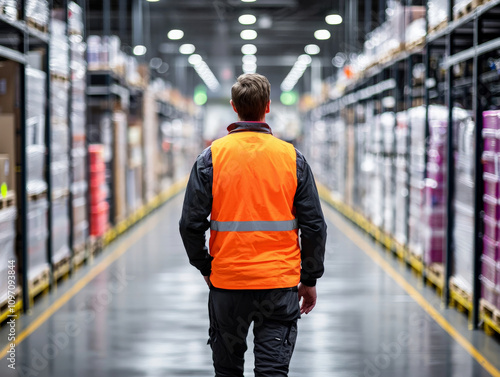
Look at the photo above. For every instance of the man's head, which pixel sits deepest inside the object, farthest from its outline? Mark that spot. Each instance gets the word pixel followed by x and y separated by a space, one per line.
pixel 250 97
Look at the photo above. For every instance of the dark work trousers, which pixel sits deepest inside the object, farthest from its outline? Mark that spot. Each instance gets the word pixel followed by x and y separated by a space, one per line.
pixel 274 313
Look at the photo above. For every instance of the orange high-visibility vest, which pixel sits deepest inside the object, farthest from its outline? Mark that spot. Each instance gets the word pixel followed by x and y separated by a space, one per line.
pixel 253 230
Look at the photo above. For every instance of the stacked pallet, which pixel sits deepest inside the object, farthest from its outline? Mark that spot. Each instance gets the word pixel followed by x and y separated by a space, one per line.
pixel 77 110
pixel 490 277
pixel 99 208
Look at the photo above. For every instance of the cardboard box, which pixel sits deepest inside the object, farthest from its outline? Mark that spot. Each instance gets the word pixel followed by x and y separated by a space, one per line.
pixel 9 87
pixel 5 171
pixel 8 144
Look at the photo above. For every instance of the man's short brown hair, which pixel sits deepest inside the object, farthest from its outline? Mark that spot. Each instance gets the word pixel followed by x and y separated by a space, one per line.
pixel 250 95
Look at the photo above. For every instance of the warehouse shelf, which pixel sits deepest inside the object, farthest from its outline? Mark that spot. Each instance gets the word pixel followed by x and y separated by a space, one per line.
pixel 454 55
pixel 11 54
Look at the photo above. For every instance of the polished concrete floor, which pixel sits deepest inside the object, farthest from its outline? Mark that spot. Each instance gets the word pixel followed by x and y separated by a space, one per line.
pixel 146 315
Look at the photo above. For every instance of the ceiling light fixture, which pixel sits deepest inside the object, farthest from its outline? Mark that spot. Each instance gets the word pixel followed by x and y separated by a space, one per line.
pixel 333 19
pixel 312 49
pixel 175 34
pixel 322 34
pixel 153 1
pixel 249 49
pixel 248 1
pixel 249 68
pixel 204 71
pixel 247 19
pixel 249 59
pixel 248 34
pixel 140 50
pixel 187 49
pixel 296 72
pixel 195 59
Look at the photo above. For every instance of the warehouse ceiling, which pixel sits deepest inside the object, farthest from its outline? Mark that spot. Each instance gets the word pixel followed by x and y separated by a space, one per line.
pixel 284 28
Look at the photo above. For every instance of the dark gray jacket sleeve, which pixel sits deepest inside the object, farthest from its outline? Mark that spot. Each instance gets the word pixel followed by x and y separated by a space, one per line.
pixel 311 224
pixel 195 211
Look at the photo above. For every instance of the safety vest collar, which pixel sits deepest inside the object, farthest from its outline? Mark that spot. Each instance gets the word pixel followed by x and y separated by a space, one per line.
pixel 249 126
pixel 254 226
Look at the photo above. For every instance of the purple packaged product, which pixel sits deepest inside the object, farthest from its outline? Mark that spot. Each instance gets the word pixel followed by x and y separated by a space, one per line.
pixel 489 292
pixel 489 269
pixel 491 186
pixel 491 143
pixel 490 119
pixel 491 207
pixel 490 162
pixel 434 194
pixel 490 248
pixel 491 228
pixel 434 247
pixel 436 172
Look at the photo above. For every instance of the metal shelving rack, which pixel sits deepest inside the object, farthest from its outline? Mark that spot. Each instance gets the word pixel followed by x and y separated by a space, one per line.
pixel 461 40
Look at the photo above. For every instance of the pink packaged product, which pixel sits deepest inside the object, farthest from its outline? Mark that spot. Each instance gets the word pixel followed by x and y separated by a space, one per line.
pixel 491 186
pixel 434 246
pixel 491 207
pixel 490 162
pixel 434 196
pixel 491 143
pixel 489 292
pixel 491 228
pixel 491 249
pixel 435 217
pixel 490 119
pixel 489 269
pixel 436 172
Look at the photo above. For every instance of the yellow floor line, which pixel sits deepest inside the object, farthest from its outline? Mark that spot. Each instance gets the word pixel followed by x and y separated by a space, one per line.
pixel 364 245
pixel 80 284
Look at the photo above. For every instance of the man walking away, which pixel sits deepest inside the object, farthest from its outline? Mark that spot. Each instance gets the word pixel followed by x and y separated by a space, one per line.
pixel 259 192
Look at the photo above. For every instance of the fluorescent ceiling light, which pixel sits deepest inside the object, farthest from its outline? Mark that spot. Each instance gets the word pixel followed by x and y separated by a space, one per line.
pixel 247 19
pixel 195 59
pixel 249 68
pixel 247 1
pixel 305 59
pixel 249 49
pixel 175 34
pixel 249 59
pixel 312 49
pixel 140 50
pixel 296 72
pixel 187 49
pixel 248 34
pixel 153 1
pixel 155 63
pixel 322 34
pixel 333 19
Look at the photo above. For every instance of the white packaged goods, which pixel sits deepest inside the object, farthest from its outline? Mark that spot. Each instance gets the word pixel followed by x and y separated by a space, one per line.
pixel 7 246
pixel 35 104
pixel 60 177
pixel 59 101
pixel 37 237
pixel 75 18
pixel 415 31
pixel 59 59
pixel 37 11
pixel 35 155
pixel 60 142
pixel 9 9
pixel 437 12
pixel 463 239
pixel 60 229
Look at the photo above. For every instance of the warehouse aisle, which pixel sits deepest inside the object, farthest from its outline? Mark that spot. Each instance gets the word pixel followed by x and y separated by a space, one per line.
pixel 145 315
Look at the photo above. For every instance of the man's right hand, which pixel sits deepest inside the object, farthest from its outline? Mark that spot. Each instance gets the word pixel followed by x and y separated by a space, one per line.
pixel 308 296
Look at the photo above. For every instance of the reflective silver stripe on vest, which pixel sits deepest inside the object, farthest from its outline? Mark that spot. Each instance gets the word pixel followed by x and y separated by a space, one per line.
pixel 254 226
